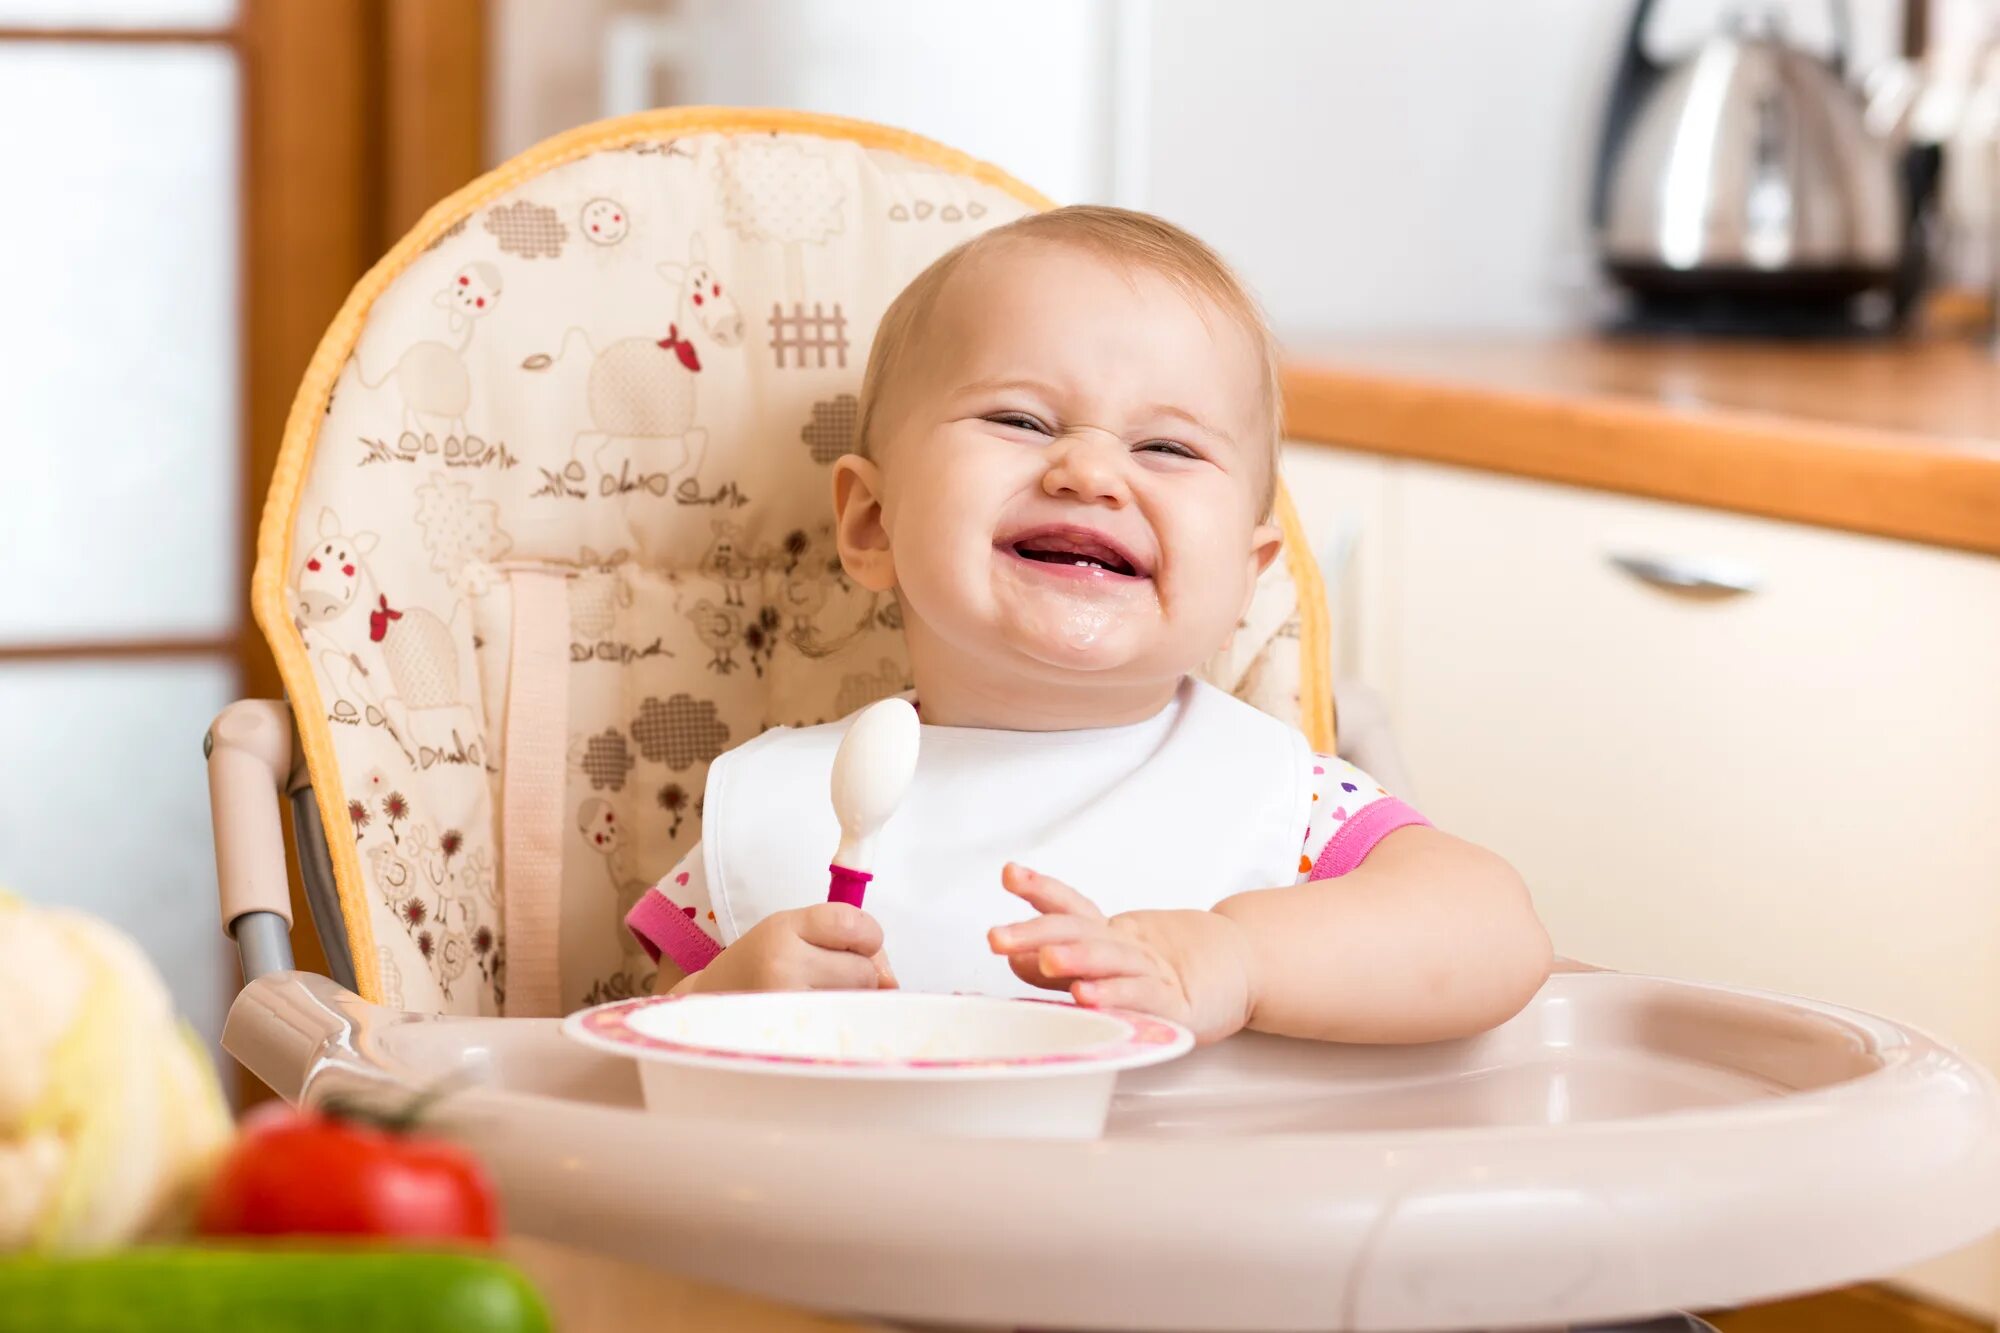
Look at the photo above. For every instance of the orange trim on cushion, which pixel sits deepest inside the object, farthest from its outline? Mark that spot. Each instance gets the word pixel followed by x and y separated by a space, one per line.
pixel 295 451
pixel 1316 707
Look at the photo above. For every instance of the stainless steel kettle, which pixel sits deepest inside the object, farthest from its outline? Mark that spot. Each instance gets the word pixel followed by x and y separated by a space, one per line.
pixel 1744 177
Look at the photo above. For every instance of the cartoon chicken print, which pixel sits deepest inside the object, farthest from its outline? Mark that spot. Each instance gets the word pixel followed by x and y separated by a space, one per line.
pixel 718 628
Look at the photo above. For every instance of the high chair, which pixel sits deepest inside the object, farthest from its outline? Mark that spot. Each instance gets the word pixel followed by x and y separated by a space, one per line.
pixel 550 530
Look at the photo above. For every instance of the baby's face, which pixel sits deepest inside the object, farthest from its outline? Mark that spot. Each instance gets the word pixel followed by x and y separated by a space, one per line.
pixel 1073 469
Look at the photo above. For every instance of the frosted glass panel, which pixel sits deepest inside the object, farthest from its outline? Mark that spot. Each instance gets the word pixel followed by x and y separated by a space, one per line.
pixel 118 341
pixel 104 807
pixel 116 13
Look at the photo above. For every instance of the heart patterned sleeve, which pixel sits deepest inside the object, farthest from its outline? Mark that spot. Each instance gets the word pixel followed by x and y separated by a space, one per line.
pixel 675 919
pixel 1350 814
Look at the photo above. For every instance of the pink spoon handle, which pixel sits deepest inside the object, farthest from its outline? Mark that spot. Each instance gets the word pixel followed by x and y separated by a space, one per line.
pixel 848 885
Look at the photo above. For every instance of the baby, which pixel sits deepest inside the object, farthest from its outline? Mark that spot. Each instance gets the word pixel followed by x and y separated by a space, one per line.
pixel 1065 465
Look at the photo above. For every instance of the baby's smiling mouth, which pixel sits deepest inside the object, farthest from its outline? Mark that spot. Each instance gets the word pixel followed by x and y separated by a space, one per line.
pixel 1078 549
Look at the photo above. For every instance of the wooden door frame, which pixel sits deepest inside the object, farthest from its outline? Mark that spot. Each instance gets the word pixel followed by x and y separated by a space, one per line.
pixel 357 116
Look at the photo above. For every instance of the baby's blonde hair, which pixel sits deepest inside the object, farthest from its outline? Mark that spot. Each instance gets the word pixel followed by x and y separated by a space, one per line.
pixel 1119 234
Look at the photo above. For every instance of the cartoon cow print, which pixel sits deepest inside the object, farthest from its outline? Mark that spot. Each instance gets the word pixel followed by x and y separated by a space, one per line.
pixel 431 375
pixel 332 575
pixel 598 823
pixel 406 663
pixel 474 290
pixel 641 390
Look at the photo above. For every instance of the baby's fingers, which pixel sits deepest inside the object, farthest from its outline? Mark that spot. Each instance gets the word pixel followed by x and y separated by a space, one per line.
pixel 829 969
pixel 1102 956
pixel 1026 969
pixel 1047 895
pixel 1024 936
pixel 841 927
pixel 1144 995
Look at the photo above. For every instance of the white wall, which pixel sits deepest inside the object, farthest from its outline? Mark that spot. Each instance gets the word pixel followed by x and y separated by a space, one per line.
pixel 1372 165
pixel 1378 166
pixel 1405 164
pixel 1021 83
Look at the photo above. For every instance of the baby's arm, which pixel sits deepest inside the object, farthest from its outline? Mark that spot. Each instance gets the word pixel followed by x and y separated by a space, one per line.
pixel 675 924
pixel 1395 932
pixel 1399 934
pixel 1429 937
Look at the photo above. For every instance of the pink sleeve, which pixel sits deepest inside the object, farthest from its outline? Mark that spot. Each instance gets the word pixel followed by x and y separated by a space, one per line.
pixel 1350 814
pixel 673 918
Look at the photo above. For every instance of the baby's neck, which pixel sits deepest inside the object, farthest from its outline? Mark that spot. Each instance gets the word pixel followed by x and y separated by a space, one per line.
pixel 949 699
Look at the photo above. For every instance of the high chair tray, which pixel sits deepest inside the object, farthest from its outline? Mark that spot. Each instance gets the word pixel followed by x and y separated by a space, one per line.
pixel 1624 1146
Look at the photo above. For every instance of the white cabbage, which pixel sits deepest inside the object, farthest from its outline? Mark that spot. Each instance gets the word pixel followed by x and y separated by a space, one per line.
pixel 110 1114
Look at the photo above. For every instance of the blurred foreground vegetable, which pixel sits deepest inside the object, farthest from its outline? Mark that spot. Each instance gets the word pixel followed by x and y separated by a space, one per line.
pixel 110 1114
pixel 340 1172
pixel 276 1290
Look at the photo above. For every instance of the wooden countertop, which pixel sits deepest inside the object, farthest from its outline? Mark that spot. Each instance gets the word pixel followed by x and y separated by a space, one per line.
pixel 593 1293
pixel 1896 440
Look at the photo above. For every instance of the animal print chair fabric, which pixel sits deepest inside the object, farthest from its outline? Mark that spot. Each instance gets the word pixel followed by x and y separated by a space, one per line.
pixel 626 359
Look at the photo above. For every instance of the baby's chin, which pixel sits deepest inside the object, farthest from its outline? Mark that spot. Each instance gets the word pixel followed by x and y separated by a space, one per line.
pixel 1078 633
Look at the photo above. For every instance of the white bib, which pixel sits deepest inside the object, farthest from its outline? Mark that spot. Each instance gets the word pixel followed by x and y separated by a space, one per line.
pixel 1208 798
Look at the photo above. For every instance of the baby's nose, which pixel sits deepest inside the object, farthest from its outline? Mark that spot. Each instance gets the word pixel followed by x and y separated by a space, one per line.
pixel 1089 466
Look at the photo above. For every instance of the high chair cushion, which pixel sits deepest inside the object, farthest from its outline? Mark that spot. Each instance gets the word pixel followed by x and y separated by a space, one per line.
pixel 558 479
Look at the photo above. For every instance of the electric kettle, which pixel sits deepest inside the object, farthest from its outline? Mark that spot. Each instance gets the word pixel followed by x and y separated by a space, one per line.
pixel 1739 189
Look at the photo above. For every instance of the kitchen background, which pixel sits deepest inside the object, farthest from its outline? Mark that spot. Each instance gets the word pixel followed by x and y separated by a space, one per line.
pixel 1370 166
pixel 1399 172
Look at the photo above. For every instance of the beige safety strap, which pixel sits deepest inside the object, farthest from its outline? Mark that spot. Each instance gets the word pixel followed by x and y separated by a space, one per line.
pixel 531 792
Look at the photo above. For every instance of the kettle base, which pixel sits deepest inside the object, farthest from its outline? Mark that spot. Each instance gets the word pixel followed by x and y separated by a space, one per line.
pixel 1821 304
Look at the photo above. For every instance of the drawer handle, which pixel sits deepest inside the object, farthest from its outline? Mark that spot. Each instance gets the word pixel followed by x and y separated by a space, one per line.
pixel 1701 578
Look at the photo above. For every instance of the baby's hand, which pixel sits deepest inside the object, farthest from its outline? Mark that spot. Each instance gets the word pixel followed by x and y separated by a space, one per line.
pixel 1191 967
pixel 828 946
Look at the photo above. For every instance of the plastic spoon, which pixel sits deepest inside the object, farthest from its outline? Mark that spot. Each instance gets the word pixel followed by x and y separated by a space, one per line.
pixel 871 773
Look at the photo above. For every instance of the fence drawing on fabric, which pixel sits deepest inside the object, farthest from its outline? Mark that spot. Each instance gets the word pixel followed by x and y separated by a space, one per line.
pixel 818 334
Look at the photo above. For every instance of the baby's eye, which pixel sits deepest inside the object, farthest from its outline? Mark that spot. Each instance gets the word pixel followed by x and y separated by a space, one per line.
pixel 1172 447
pixel 1019 421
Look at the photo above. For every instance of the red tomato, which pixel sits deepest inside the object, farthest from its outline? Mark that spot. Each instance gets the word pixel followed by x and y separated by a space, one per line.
pixel 306 1173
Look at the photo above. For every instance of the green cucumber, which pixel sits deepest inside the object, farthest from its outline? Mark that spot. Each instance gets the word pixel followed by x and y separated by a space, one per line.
pixel 271 1290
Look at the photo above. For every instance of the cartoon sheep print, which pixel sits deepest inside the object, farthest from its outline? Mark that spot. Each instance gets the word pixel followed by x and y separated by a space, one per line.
pixel 642 389
pixel 404 668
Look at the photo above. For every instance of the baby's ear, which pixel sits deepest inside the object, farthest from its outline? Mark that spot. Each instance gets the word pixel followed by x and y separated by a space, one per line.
pixel 858 530
pixel 1266 540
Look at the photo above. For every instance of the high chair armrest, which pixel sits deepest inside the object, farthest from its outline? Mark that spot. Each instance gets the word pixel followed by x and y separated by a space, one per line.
pixel 249 752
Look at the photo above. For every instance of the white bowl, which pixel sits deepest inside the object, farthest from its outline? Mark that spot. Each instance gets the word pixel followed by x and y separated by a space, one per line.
pixel 883 1061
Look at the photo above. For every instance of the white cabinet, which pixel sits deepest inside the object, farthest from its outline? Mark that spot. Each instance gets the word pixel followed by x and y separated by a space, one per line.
pixel 1343 504
pixel 1795 787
